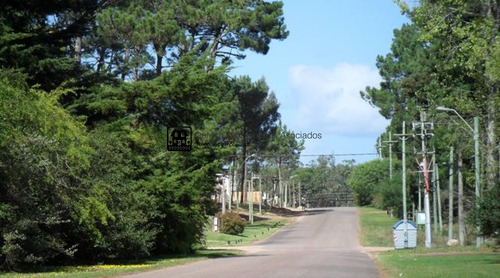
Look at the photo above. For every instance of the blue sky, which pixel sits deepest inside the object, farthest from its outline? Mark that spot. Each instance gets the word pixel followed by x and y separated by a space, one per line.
pixel 318 71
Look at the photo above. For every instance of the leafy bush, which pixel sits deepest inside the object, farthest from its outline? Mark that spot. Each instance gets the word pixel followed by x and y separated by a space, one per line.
pixel 388 194
pixel 487 215
pixel 365 178
pixel 232 223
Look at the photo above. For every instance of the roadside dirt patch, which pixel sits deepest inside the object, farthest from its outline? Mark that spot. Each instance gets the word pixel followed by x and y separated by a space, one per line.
pixel 371 250
pixel 273 213
pixel 284 212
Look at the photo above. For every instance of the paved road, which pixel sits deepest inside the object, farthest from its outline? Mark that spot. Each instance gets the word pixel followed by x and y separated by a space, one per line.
pixel 322 243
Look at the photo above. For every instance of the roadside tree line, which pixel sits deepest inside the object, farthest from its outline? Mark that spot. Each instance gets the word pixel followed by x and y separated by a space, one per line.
pixel 87 92
pixel 448 56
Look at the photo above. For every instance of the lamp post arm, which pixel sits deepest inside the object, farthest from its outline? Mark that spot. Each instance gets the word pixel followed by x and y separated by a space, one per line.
pixel 463 120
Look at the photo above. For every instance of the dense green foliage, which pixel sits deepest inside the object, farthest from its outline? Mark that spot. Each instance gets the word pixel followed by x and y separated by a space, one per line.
pixel 324 182
pixel 232 223
pixel 447 56
pixel 373 187
pixel 45 152
pixel 85 175
pixel 487 216
pixel 366 178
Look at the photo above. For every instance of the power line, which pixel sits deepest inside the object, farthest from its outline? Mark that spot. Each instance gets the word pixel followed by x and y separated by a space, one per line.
pixel 340 154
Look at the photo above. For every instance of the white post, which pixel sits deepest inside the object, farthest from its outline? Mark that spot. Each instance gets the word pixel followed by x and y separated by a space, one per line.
pixel 250 201
pixel 450 197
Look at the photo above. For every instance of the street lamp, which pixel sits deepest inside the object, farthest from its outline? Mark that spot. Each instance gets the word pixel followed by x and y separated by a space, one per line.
pixel 475 132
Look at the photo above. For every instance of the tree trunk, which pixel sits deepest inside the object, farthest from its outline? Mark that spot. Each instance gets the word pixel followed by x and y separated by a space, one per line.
pixel 160 52
pixel 491 169
pixel 491 11
pixel 78 50
pixel 136 67
pixel 159 62
pixel 461 224
pixel 125 63
pixel 100 63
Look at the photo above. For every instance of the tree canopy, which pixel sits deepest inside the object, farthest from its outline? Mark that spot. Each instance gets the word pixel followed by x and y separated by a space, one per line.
pixel 88 91
pixel 446 56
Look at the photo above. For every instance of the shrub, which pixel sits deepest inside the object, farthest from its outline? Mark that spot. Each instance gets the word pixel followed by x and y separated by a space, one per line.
pixel 232 223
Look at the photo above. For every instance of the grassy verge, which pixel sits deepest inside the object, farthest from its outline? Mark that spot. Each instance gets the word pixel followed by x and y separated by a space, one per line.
pixel 439 262
pixel 107 270
pixel 468 261
pixel 376 227
pixel 253 232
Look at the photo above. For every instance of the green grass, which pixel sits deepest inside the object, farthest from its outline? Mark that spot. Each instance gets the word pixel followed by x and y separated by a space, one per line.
pixel 107 270
pixel 456 261
pixel 376 227
pixel 253 232
pixel 433 263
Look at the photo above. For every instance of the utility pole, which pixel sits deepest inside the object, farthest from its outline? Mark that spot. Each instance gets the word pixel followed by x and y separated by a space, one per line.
pixel 223 194
pixel 390 142
pixel 379 148
pixel 260 193
pixel 475 132
pixel 250 200
pixel 461 224
pixel 419 193
pixel 479 239
pixel 300 194
pixel 404 136
pixel 438 186
pixel 450 197
pixel 280 203
pixel 230 199
pixel 286 195
pixel 424 166
pixel 434 193
pixel 237 197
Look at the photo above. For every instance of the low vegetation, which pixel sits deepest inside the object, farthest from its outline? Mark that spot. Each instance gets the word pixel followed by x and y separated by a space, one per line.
pixel 376 227
pixel 123 267
pixel 253 232
pixel 376 230
pixel 231 223
pixel 444 262
pixel 213 247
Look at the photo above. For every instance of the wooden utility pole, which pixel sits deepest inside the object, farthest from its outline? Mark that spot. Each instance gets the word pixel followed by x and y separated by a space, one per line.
pixel 404 136
pixel 438 186
pixel 461 225
pixel 434 197
pixel 390 142
pixel 450 197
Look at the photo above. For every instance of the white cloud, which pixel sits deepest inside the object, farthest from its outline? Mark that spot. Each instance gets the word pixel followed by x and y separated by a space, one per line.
pixel 328 100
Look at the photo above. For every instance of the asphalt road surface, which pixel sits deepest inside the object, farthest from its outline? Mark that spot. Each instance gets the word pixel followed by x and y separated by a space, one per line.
pixel 322 243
